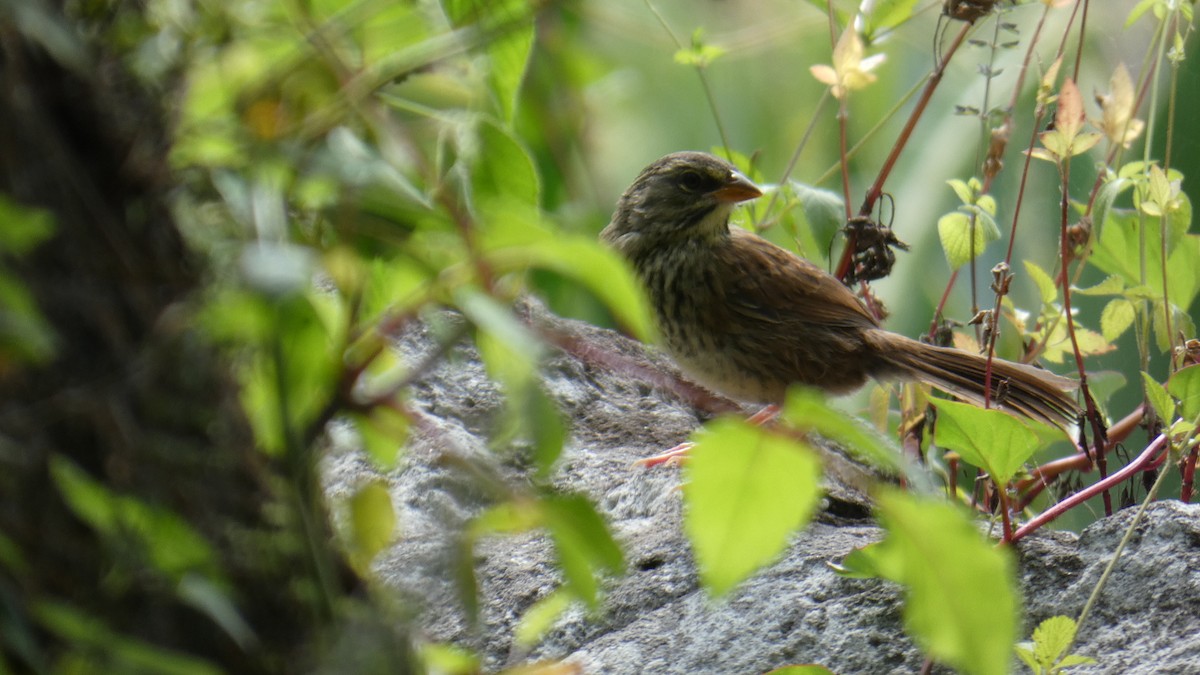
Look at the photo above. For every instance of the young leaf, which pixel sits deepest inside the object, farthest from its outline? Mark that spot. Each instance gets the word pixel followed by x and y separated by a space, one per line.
pixel 961 602
pixel 993 440
pixel 1185 386
pixel 747 491
pixel 960 239
pixel 1046 286
pixel 1116 317
pixel 1158 397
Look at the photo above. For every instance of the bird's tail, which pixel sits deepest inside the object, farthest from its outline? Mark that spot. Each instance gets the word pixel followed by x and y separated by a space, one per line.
pixel 1029 391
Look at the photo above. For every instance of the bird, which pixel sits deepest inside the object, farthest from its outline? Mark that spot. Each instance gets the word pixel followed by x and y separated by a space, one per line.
pixel 746 318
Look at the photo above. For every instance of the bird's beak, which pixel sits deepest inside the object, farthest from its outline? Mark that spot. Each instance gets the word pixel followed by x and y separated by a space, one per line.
pixel 737 189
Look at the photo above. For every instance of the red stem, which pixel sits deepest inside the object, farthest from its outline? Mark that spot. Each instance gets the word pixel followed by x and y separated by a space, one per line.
pixel 1143 461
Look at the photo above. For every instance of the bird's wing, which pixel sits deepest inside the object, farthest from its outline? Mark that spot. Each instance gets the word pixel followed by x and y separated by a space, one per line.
pixel 773 285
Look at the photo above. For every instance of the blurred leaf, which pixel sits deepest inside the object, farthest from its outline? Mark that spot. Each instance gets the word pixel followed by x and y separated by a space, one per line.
pixel 995 441
pixel 801 670
pixel 372 523
pixel 887 14
pixel 384 431
pixel 699 54
pixel 861 563
pixel 807 409
pixel 510 351
pixel 25 335
pixel 167 541
pixel 540 617
pixel 961 602
pixel 584 544
pixel 22 228
pixel 1185 386
pixel 1158 397
pixel 824 214
pixel 961 241
pixel 1116 318
pixel 447 659
pixel 111 651
pixel 218 605
pixel 548 429
pixel 747 492
pixel 509 25
pixel 502 168
pixel 1105 196
pixel 590 264
pixel 1046 287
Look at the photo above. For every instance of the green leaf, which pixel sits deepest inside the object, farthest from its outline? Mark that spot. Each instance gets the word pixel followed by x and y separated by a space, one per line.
pixel 993 440
pixel 960 239
pixel 22 228
pixel 807 409
pixel 25 335
pixel 540 617
pixel 961 602
pixel 699 54
pixel 801 670
pixel 1158 397
pixel 111 651
pixel 1185 386
pixel 592 265
pixel 887 14
pixel 509 23
pixel 1105 197
pixel 823 214
pixel 747 491
pixel 509 350
pixel 383 432
pixel 583 542
pixel 861 563
pixel 372 523
pixel 502 169
pixel 1046 286
pixel 1052 638
pixel 1112 285
pixel 165 540
pixel 1116 317
pixel 545 423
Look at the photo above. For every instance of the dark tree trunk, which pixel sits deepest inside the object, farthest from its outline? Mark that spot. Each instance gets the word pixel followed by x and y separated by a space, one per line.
pixel 134 395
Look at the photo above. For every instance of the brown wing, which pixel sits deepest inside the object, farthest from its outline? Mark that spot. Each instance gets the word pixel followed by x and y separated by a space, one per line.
pixel 774 286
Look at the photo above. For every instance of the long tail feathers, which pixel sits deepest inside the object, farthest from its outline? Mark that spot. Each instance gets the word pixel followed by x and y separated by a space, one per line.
pixel 1029 391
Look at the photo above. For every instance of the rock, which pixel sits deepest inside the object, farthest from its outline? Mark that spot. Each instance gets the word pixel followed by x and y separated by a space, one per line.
pixel 624 402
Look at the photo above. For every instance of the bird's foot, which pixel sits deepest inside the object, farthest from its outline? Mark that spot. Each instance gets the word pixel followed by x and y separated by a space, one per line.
pixel 672 457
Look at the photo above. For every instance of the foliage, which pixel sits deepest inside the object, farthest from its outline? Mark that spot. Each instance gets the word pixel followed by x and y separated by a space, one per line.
pixel 345 170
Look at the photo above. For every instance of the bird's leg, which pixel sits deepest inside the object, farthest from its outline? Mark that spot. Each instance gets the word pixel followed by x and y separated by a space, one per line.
pixel 678 454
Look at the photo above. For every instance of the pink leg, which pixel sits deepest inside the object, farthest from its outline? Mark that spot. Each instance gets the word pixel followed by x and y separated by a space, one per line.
pixel 678 454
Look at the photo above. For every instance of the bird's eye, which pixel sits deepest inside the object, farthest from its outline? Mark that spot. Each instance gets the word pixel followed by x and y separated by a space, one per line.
pixel 691 181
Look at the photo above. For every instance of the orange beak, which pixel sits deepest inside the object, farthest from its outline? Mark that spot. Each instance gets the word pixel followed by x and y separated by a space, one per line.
pixel 737 189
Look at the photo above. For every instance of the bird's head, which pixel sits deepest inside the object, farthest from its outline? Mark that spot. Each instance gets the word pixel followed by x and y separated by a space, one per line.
pixel 685 195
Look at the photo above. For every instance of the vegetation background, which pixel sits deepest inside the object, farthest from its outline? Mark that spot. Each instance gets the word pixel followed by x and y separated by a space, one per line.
pixel 215 213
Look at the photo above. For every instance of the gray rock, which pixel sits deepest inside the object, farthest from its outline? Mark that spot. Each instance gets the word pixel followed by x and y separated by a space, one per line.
pixel 625 402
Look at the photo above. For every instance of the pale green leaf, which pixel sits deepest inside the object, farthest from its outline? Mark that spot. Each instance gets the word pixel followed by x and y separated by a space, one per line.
pixel 1185 386
pixel 993 440
pixel 961 602
pixel 1116 317
pixel 961 241
pixel 1046 287
pixel 372 523
pixel 747 492
pixel 583 542
pixel 540 617
pixel 1112 285
pixel 887 14
pixel 510 24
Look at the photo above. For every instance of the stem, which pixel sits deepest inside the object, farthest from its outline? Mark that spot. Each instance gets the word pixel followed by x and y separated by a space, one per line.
pixel 1137 517
pixel 1093 415
pixel 1137 465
